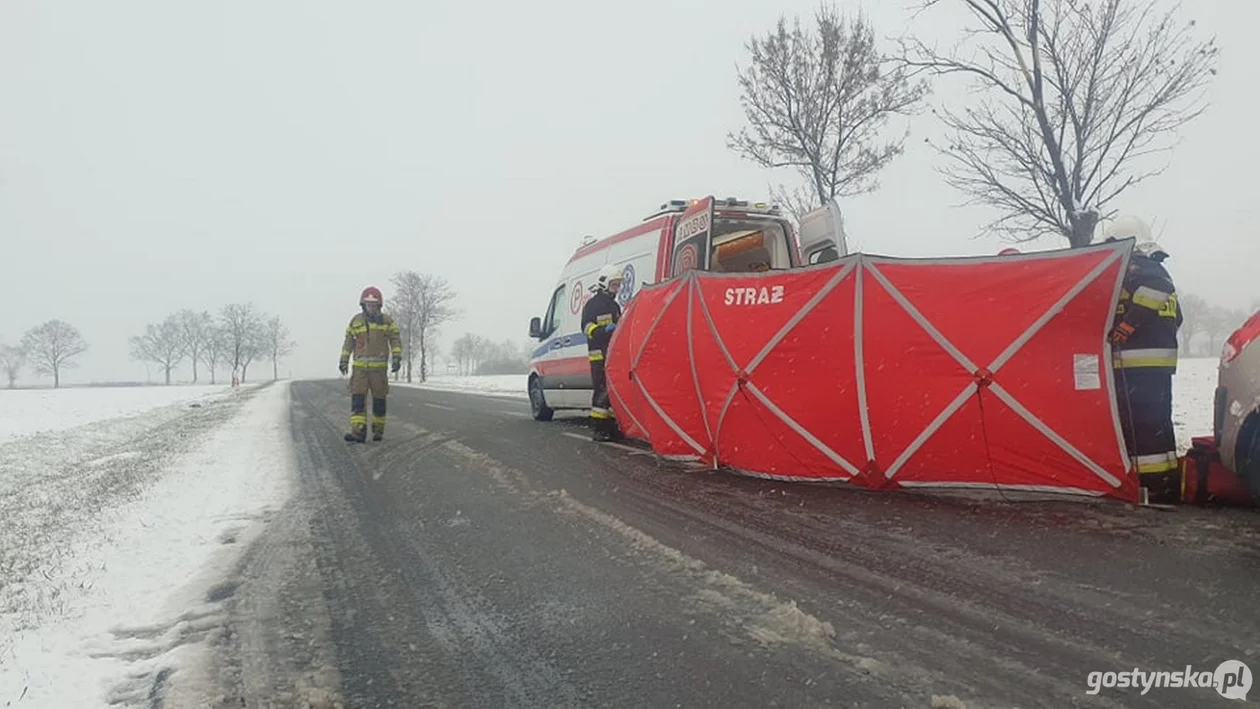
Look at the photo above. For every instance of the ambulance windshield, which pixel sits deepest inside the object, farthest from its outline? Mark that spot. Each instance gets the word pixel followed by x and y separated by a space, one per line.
pixel 748 244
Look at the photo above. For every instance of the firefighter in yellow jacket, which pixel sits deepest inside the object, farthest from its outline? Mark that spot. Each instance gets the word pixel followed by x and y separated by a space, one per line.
pixel 373 338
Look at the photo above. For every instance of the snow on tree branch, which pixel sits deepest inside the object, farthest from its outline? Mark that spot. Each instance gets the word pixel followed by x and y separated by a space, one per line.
pixel 1076 95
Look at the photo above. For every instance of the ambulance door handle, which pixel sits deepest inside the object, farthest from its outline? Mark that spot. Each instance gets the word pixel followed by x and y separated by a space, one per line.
pixel 567 341
pixel 555 344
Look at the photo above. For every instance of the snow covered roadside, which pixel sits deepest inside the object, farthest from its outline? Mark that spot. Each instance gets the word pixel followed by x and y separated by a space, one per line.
pixel 1194 389
pixel 113 545
pixel 25 412
pixel 506 385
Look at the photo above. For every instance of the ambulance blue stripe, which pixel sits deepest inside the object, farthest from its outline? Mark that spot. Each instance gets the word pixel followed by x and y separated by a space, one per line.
pixel 575 339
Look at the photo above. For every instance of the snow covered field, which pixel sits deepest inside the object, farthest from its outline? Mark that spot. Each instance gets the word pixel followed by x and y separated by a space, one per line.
pixel 512 385
pixel 1194 388
pixel 114 534
pixel 32 411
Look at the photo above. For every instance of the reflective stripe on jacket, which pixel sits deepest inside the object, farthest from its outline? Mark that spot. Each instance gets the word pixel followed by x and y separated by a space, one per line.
pixel 601 310
pixel 372 341
pixel 1149 305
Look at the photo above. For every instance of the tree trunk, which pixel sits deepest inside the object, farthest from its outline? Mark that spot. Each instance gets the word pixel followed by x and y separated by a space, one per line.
pixel 275 368
pixel 212 382
pixel 56 377
pixel 194 364
pixel 244 368
pixel 424 369
pixel 167 371
pixel 1082 231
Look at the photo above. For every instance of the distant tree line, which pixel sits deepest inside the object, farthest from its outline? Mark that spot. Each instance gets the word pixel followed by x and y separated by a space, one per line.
pixel 237 337
pixel 1206 326
pixel 477 355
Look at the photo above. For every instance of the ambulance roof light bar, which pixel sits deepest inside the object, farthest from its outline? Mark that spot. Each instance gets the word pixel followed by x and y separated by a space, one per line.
pixel 674 205
pixel 728 204
pixel 732 204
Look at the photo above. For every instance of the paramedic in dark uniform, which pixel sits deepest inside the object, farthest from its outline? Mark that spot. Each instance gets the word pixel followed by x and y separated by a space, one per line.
pixel 599 318
pixel 1144 360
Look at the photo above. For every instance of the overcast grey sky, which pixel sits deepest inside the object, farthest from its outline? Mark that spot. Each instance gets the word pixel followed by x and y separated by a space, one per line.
pixel 190 154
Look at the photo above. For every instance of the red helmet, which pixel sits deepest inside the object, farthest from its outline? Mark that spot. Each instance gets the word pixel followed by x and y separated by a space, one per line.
pixel 371 294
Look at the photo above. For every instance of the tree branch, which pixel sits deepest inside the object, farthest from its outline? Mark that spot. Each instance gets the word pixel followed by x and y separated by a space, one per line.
pixel 1102 84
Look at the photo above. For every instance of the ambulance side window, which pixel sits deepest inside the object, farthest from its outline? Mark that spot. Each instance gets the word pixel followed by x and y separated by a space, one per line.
pixel 823 255
pixel 554 312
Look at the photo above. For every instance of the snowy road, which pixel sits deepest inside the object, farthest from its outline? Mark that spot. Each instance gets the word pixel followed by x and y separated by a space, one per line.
pixel 478 558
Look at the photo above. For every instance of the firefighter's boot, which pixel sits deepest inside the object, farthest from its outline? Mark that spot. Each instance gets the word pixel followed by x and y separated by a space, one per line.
pixel 358 421
pixel 378 419
pixel 603 430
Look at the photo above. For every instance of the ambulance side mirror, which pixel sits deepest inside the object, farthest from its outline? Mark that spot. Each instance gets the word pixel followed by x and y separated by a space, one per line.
pixel 535 328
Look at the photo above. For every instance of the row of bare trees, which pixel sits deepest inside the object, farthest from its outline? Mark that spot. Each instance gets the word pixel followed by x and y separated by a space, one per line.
pixel 474 354
pixel 1207 325
pixel 1069 100
pixel 421 304
pixel 238 336
pixel 48 349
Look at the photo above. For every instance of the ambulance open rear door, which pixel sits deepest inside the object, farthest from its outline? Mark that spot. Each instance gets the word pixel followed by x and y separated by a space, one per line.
pixel 821 235
pixel 693 234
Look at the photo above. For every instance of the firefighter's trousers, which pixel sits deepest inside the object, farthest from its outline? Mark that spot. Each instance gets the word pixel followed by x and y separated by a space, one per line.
pixel 364 381
pixel 602 417
pixel 1144 399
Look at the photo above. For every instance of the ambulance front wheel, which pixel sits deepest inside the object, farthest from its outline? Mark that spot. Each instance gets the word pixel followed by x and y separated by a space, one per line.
pixel 537 403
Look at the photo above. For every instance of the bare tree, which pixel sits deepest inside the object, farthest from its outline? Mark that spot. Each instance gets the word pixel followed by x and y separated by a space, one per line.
pixel 196 330
pixel 405 307
pixel 214 347
pixel 1080 93
pixel 278 343
pixel 51 346
pixel 436 309
pixel 243 336
pixel 432 351
pixel 1196 314
pixel 469 351
pixel 12 360
pixel 163 344
pixel 817 101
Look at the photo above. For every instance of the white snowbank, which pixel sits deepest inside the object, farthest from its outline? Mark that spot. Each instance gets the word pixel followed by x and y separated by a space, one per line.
pixel 510 385
pixel 135 607
pixel 1194 389
pixel 32 411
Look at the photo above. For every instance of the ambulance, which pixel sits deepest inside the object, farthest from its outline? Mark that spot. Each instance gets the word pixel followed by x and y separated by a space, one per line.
pixel 721 235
